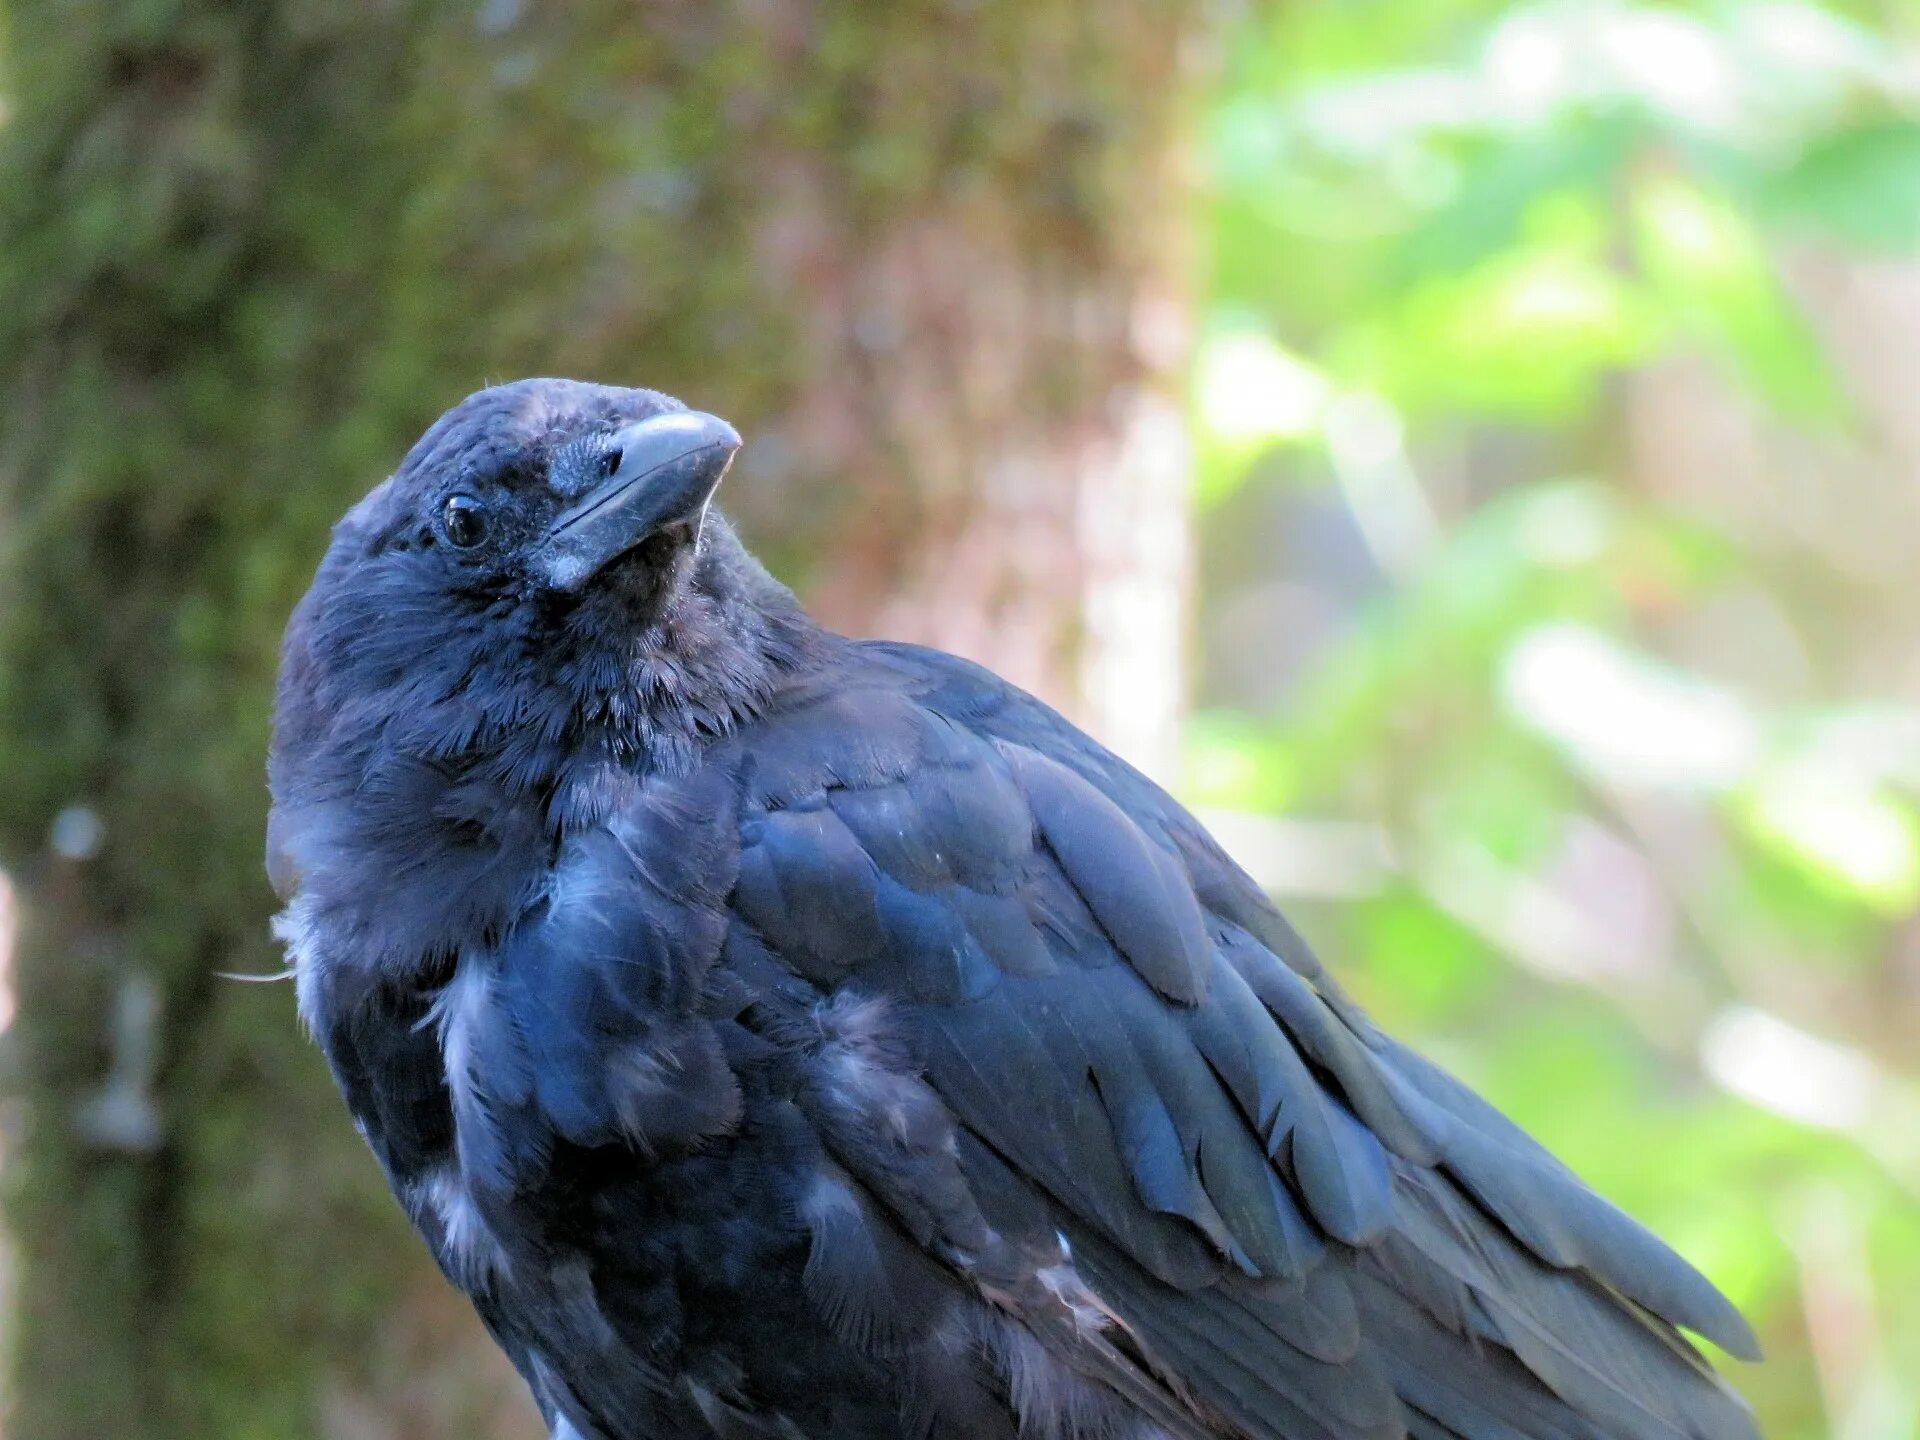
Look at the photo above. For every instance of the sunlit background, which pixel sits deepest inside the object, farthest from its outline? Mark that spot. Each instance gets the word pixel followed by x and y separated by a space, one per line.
pixel 1558 407
pixel 1551 390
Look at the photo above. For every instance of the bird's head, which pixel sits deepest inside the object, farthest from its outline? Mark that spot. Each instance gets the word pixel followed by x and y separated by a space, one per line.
pixel 542 515
pixel 539 602
pixel 549 496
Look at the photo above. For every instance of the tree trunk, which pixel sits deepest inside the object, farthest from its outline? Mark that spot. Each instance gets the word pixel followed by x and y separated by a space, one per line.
pixel 926 255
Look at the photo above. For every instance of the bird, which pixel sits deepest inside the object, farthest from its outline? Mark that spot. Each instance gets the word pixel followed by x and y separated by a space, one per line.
pixel 784 1036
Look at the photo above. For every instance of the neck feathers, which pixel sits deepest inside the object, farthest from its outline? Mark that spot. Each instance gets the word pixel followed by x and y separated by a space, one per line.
pixel 435 810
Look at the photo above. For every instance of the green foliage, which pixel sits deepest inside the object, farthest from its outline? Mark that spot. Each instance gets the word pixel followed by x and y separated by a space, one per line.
pixel 1618 735
pixel 1860 183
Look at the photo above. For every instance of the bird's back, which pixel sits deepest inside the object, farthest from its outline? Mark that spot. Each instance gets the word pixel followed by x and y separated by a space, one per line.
pixel 1297 1225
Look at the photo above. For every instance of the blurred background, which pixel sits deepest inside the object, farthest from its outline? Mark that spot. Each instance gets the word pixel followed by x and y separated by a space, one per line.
pixel 1469 451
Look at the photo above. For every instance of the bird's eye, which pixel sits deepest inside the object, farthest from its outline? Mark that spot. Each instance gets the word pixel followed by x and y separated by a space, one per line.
pixel 465 520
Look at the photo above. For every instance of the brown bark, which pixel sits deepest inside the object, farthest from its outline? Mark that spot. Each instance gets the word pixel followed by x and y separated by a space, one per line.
pixel 921 253
pixel 1051 545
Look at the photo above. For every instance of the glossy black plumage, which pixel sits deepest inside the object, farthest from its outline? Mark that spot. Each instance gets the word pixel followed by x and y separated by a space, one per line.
pixel 778 1035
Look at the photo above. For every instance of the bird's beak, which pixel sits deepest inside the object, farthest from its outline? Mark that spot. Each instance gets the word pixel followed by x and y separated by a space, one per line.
pixel 667 471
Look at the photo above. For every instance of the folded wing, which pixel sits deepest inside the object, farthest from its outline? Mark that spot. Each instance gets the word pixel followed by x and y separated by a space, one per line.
pixel 1076 1059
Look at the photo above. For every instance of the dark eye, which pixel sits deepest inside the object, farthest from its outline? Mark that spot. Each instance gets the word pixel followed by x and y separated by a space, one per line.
pixel 465 520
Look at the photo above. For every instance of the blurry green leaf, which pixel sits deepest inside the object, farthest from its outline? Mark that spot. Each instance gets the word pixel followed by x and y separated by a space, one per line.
pixel 1861 186
pixel 1528 334
pixel 1505 179
pixel 1236 762
pixel 1848 834
pixel 1772 897
pixel 1714 277
pixel 1416 966
pixel 1249 393
pixel 1625 716
pixel 1247 388
pixel 1504 797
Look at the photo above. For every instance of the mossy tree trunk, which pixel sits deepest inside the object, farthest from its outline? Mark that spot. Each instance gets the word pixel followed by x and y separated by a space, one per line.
pixel 922 253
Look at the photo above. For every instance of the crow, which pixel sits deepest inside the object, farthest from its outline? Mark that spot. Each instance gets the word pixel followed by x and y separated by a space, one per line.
pixel 782 1035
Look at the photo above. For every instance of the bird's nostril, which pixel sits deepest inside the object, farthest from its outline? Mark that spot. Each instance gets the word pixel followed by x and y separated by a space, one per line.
pixel 612 462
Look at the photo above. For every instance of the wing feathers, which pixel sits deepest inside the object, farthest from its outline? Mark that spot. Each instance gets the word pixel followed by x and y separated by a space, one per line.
pixel 1547 1207
pixel 1308 1231
pixel 1135 889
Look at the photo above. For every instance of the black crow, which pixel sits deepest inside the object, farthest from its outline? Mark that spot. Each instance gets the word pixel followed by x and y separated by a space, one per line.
pixel 779 1035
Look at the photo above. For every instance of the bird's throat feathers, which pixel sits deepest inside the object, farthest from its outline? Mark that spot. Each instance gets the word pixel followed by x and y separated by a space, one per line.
pixel 426 767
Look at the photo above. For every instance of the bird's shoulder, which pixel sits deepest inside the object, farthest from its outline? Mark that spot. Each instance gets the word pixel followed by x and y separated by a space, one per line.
pixel 890 737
